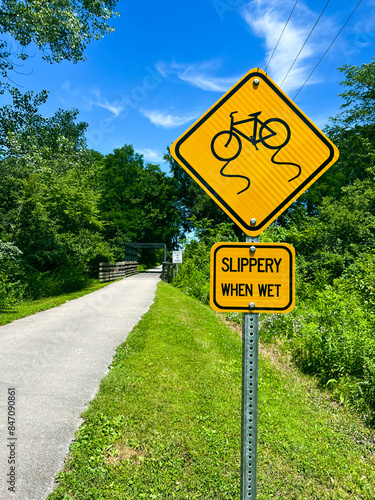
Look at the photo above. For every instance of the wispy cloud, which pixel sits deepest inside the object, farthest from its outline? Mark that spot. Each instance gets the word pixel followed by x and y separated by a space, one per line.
pixel 151 154
pixel 66 86
pixel 116 107
pixel 267 18
pixel 91 97
pixel 201 75
pixel 165 119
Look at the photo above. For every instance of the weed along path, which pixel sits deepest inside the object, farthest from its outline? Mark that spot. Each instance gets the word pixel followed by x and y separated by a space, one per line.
pixel 51 365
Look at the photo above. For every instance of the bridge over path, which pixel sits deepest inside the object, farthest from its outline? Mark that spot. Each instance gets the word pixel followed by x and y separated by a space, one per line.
pixel 55 360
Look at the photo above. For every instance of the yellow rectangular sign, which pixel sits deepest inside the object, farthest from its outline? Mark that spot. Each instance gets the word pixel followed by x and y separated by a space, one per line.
pixel 252 277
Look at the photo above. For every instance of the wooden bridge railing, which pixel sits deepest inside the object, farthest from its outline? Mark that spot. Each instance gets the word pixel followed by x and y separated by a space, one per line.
pixel 168 272
pixel 110 272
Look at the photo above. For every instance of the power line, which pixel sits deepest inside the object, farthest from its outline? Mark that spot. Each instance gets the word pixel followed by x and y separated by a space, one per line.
pixel 312 29
pixel 333 41
pixel 278 41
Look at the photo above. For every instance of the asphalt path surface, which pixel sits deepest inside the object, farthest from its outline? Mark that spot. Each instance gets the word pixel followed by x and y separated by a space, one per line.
pixel 51 365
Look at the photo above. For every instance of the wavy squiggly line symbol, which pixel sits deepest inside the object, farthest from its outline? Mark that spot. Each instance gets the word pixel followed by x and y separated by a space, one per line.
pixel 226 145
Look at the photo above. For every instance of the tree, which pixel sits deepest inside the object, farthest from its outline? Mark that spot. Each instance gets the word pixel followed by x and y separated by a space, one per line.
pixel 23 129
pixel 121 192
pixel 49 196
pixel 138 203
pixel 49 187
pixel 61 29
pixel 10 288
pixel 359 96
pixel 30 143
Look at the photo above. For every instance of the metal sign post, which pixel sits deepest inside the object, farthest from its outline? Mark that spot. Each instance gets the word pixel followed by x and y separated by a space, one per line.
pixel 254 152
pixel 250 338
pixel 253 278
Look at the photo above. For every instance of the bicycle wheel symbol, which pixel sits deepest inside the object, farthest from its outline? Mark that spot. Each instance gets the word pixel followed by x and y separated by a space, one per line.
pixel 273 134
pixel 276 139
pixel 226 146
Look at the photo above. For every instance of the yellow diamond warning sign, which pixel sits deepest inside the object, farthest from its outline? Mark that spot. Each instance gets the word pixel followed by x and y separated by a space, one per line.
pixel 254 152
pixel 252 277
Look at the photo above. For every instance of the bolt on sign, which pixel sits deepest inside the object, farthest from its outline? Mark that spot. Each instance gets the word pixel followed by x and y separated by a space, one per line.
pixel 254 152
pixel 252 277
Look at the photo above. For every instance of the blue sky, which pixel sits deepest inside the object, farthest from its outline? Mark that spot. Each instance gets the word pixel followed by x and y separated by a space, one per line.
pixel 167 62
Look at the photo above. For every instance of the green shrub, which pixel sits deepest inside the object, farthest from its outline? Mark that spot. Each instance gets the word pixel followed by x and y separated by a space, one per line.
pixel 11 288
pixel 51 283
pixel 11 293
pixel 332 338
pixel 359 279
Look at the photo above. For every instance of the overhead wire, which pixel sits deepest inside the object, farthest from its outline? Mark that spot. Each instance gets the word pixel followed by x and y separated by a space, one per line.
pixel 333 41
pixel 278 41
pixel 312 29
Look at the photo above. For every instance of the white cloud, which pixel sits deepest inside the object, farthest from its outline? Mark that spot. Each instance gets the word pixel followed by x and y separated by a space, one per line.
pixel 165 119
pixel 206 82
pixel 88 98
pixel 267 18
pixel 116 107
pixel 151 154
pixel 198 75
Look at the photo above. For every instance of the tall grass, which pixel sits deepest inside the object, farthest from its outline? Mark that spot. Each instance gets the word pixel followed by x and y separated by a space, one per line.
pixel 333 338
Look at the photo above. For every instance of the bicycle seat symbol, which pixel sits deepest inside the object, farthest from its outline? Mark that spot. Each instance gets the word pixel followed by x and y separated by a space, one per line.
pixel 273 134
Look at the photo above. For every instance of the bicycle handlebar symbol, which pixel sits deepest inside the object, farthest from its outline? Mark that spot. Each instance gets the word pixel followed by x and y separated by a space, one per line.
pixel 227 145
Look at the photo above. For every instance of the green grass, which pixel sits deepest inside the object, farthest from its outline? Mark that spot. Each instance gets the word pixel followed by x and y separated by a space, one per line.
pixel 166 422
pixel 310 447
pixel 29 308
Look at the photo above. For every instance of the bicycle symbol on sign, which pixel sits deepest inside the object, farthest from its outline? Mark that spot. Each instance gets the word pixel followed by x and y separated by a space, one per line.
pixel 227 145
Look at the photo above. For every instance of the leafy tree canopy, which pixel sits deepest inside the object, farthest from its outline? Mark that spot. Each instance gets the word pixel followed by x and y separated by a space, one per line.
pixel 23 128
pixel 353 132
pixel 48 187
pixel 61 29
pixel 359 96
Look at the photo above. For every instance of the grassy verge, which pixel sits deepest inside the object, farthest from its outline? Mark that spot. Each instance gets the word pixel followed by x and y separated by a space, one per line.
pixel 29 308
pixel 166 421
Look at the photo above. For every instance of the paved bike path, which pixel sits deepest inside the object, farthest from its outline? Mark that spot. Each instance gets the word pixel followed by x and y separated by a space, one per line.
pixel 55 360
